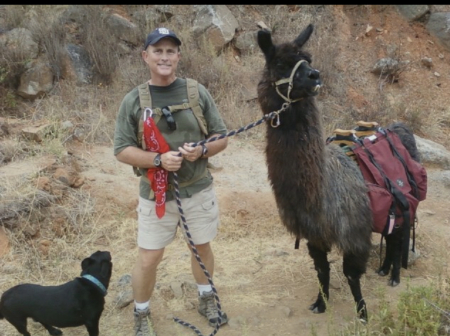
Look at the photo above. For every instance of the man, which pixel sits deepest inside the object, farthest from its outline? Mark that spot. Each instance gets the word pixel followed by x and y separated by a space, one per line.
pixel 198 200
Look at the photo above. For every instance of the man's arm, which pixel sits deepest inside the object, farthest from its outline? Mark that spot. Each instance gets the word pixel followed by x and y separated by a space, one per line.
pixel 170 161
pixel 136 157
pixel 216 146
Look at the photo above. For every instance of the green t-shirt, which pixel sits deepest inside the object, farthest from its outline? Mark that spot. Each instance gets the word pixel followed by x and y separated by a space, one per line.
pixel 188 130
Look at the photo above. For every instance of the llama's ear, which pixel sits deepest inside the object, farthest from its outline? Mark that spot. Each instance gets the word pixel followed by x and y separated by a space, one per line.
pixel 304 36
pixel 265 43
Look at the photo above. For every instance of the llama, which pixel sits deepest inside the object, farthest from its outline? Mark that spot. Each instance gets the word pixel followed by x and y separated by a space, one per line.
pixel 319 191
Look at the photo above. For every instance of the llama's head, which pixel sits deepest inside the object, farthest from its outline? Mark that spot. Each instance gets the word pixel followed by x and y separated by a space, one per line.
pixel 288 68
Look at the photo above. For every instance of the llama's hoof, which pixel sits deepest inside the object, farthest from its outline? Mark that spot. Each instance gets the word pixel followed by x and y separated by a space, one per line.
pixel 393 282
pixel 362 312
pixel 382 272
pixel 363 320
pixel 317 307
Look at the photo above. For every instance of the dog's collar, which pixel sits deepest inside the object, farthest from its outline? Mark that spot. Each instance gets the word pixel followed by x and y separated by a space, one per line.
pixel 96 282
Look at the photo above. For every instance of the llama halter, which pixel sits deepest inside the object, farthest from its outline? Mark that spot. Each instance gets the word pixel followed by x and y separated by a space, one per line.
pixel 290 81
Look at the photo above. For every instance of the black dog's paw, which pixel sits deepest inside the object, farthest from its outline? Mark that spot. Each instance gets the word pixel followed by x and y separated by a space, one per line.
pixel 54 332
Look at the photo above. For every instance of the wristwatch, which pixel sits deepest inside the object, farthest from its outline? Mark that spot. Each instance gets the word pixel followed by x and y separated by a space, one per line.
pixel 157 160
pixel 204 150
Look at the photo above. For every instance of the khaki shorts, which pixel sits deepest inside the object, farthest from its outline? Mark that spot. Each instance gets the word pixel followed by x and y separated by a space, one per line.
pixel 201 212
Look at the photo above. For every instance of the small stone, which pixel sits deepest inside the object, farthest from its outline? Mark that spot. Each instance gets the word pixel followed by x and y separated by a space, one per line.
pixel 286 311
pixel 427 61
pixel 124 280
pixel 37 132
pixel 262 25
pixel 413 256
pixel 123 298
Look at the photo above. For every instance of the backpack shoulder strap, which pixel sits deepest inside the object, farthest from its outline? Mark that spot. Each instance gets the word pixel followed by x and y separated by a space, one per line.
pixel 145 100
pixel 194 99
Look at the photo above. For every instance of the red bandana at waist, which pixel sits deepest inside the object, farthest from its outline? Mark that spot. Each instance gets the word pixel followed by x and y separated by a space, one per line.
pixel 155 142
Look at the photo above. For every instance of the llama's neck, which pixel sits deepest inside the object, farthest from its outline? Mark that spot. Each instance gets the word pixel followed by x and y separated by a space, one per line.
pixel 295 153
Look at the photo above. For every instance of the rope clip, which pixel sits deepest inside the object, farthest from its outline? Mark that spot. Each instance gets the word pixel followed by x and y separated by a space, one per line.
pixel 148 111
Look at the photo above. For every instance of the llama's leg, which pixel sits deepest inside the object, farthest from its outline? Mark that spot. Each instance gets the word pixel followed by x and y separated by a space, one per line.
pixel 388 259
pixel 355 266
pixel 396 240
pixel 393 257
pixel 322 267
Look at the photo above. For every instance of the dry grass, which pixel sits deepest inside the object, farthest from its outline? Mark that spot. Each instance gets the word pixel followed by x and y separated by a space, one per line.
pixel 51 35
pixel 103 54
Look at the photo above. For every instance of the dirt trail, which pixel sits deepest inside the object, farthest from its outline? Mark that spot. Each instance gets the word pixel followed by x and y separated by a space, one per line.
pixel 264 284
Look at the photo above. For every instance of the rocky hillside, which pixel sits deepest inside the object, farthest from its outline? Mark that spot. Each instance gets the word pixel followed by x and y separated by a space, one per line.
pixel 378 61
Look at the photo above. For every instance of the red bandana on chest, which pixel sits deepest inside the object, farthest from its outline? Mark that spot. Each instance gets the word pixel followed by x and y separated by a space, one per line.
pixel 155 142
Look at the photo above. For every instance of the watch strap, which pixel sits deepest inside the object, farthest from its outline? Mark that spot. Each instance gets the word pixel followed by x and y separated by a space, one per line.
pixel 204 150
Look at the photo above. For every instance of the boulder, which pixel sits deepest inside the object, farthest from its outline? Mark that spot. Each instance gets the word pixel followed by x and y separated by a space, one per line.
pixel 77 65
pixel 433 153
pixel 36 81
pixel 439 25
pixel 216 22
pixel 413 12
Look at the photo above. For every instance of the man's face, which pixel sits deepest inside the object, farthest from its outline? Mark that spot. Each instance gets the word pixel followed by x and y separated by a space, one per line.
pixel 162 57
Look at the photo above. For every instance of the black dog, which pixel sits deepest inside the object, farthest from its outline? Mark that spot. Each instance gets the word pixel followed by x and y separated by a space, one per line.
pixel 75 303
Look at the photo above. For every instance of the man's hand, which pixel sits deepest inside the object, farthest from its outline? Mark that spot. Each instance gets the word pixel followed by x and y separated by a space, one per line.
pixel 191 153
pixel 171 161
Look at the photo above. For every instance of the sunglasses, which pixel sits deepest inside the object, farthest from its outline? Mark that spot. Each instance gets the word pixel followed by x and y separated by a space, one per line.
pixel 169 119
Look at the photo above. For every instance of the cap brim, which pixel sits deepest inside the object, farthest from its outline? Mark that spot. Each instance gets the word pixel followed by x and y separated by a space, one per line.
pixel 157 39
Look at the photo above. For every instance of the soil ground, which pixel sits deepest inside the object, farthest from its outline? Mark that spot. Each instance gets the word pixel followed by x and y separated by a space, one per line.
pixel 264 284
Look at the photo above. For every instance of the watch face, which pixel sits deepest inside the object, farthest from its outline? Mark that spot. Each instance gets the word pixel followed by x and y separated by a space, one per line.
pixel 157 160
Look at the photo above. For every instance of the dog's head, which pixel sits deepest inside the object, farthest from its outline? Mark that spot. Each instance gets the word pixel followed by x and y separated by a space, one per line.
pixel 98 265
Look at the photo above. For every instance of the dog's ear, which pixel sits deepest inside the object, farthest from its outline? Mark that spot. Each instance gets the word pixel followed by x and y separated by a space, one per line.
pixel 106 270
pixel 86 263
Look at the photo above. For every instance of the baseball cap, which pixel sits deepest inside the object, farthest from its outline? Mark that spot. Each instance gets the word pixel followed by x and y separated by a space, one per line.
pixel 158 34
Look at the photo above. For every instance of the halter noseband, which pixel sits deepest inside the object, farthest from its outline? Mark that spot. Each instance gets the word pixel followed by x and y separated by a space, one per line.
pixel 291 84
